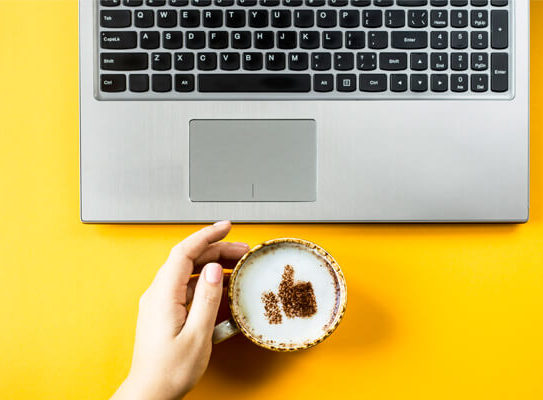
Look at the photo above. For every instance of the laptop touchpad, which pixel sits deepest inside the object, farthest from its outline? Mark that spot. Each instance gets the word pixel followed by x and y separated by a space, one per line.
pixel 253 160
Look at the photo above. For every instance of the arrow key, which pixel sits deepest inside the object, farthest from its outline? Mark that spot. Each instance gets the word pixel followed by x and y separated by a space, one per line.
pixel 398 82
pixel 440 83
pixel 419 83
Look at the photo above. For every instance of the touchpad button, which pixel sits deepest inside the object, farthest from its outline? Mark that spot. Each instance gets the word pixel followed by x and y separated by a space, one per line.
pixel 253 160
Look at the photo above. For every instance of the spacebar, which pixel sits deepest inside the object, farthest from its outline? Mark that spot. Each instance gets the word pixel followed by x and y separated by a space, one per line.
pixel 254 83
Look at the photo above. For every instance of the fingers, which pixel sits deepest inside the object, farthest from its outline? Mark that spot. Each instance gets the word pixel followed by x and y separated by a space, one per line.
pixel 175 273
pixel 207 298
pixel 191 286
pixel 222 251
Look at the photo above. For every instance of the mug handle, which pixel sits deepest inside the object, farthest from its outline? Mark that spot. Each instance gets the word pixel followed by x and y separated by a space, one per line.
pixel 225 330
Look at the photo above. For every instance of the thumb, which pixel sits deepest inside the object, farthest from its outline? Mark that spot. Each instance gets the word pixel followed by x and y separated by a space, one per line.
pixel 205 304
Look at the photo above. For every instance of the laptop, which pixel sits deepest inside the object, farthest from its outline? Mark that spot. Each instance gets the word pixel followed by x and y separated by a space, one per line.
pixel 304 110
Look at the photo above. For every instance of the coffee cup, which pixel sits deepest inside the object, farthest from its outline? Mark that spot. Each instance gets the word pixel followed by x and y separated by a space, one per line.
pixel 284 295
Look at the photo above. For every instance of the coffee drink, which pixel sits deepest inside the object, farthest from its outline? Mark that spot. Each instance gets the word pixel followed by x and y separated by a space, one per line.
pixel 288 294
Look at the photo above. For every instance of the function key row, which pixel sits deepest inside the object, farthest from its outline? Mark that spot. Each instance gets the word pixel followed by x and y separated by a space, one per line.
pixel 273 83
pixel 312 3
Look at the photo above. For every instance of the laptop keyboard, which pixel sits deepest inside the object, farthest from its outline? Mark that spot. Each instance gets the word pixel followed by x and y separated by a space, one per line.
pixel 303 49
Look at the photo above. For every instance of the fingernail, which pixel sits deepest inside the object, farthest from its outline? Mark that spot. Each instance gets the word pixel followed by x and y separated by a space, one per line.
pixel 221 224
pixel 213 273
pixel 242 244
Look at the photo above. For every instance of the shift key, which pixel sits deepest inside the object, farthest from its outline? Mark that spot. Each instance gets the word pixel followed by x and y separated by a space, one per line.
pixel 124 61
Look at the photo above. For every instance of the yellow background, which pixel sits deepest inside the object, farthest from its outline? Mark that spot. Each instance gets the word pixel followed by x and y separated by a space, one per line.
pixel 435 312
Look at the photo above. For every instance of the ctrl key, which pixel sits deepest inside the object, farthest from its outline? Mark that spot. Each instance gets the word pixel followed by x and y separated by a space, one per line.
pixel 112 83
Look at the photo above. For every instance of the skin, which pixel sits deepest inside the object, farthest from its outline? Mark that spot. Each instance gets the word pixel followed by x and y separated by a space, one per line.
pixel 173 345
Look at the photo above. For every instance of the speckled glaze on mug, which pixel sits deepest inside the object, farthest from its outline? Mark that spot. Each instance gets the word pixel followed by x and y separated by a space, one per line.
pixel 229 328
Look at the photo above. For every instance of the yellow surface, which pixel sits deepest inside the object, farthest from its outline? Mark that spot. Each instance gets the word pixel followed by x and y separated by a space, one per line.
pixel 435 312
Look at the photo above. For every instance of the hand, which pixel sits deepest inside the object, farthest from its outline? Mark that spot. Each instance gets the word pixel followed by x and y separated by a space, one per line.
pixel 173 345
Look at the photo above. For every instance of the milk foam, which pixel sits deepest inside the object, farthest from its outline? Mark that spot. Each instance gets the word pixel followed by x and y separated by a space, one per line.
pixel 262 272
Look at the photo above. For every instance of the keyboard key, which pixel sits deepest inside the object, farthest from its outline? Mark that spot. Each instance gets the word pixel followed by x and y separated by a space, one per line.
pixel 281 18
pixel 459 61
pixel 459 40
pixel 372 18
pixel 354 39
pixel 439 18
pixel 479 18
pixel 419 83
pixel 383 3
pixel 479 83
pixel 500 72
pixel 263 39
pixel 275 61
pixel 115 18
pixel 366 61
pixel 247 3
pixel 133 3
pixel 162 83
pixel 184 61
pixel 252 61
pixel 218 39
pixel 155 3
pixel 459 83
pixel 144 19
pixel 398 82
pixel 479 40
pixel 412 3
pixel 479 3
pixel 124 61
pixel 292 3
pixel 337 3
pixel 395 18
pixel 343 61
pixel 118 40
pixel 212 18
pixel 304 18
pixel 224 3
pixel 459 18
pixel 439 40
pixel 439 3
pixel 229 61
pixel 327 18
pixel 254 83
pixel 258 18
pixel 378 40
pixel 184 83
pixel 179 3
pixel 286 39
pixel 112 83
pixel 298 61
pixel 419 61
pixel 172 40
pixel 309 39
pixel 409 39
pixel 200 3
pixel 373 82
pixel 166 18
pixel 479 61
pixel 349 18
pixel 235 18
pixel 346 82
pixel 241 40
pixel 393 61
pixel 417 18
pixel 323 82
pixel 459 3
pixel 360 3
pixel 500 29
pixel 190 18
pixel 139 83
pixel 207 61
pixel 195 40
pixel 500 3
pixel 321 61
pixel 332 40
pixel 110 3
pixel 270 3
pixel 161 61
pixel 439 61
pixel 439 83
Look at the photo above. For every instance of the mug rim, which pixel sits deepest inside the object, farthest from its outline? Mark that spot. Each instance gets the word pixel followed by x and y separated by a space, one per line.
pixel 324 254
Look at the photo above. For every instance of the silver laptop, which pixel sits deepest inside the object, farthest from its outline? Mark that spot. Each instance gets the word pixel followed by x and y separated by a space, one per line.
pixel 304 110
